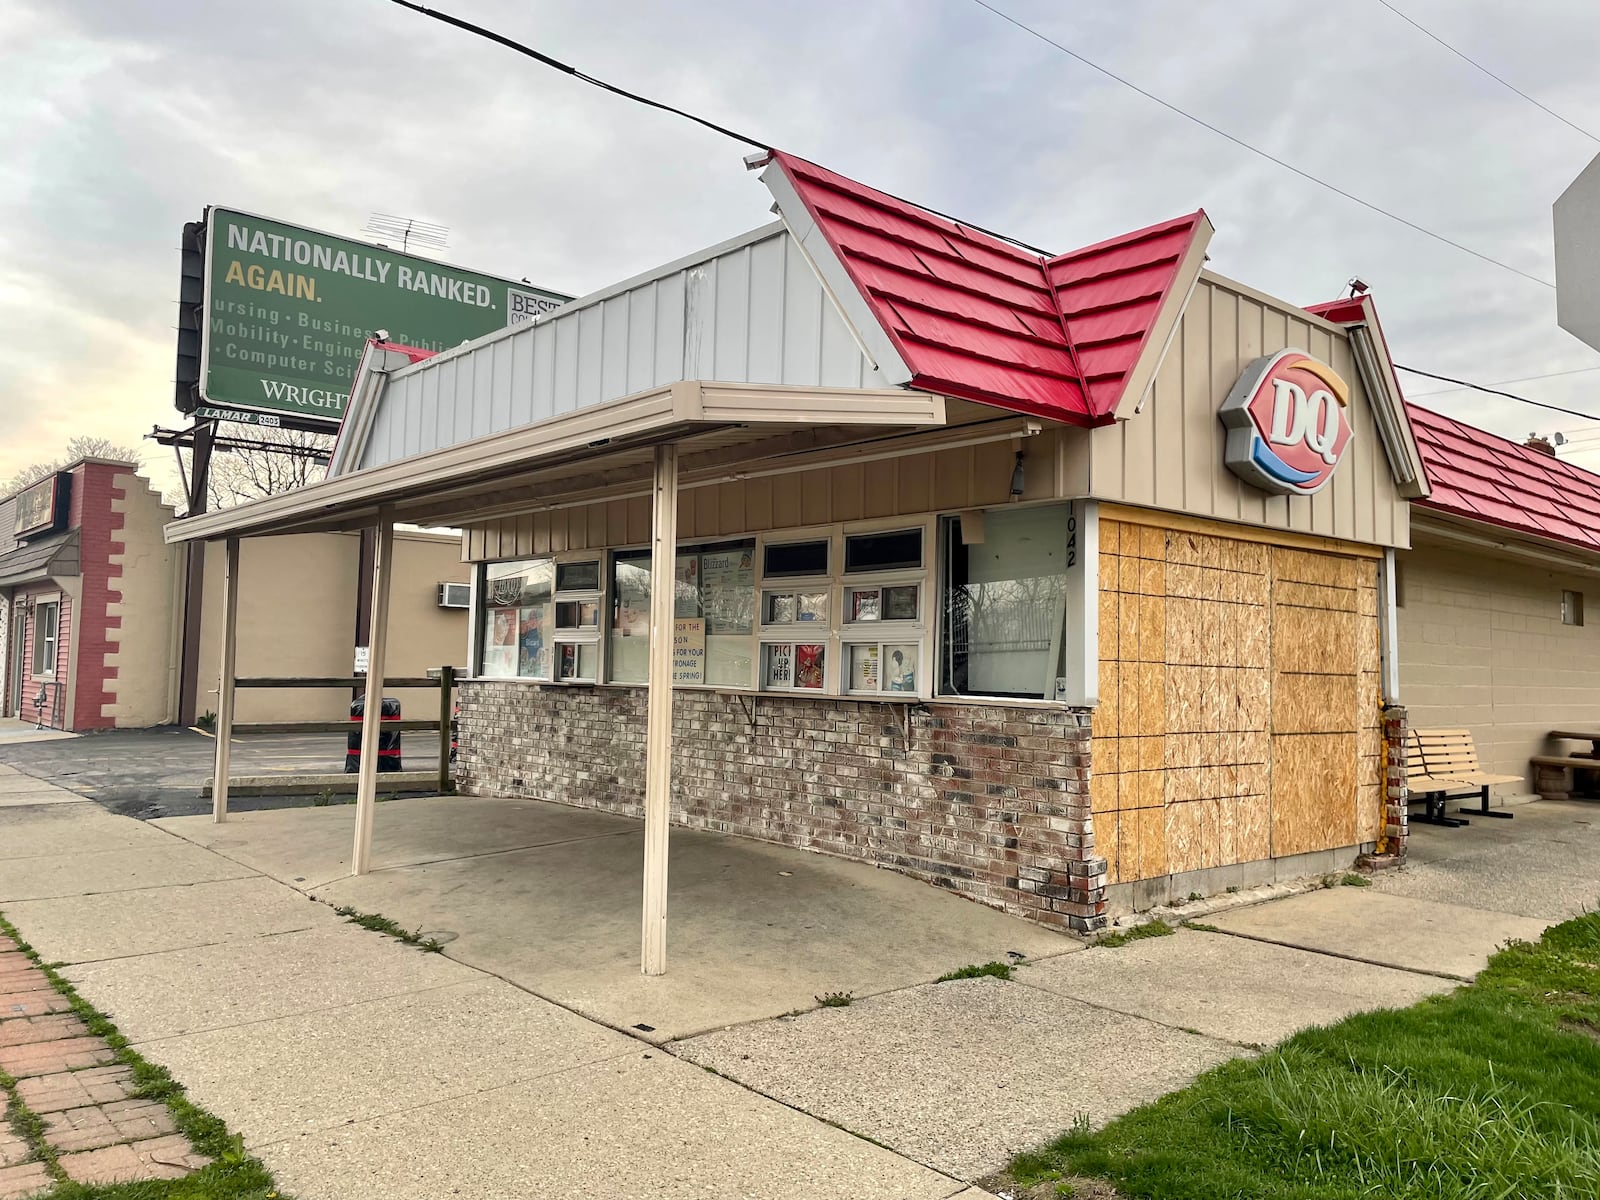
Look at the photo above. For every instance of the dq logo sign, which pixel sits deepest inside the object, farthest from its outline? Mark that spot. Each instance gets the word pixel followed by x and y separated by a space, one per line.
pixel 1288 423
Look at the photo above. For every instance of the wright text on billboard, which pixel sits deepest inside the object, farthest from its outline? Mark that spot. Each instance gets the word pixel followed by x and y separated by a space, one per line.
pixel 288 310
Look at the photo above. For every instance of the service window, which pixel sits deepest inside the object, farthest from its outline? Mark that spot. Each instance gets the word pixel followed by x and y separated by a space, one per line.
pixel 882 617
pixel 577 620
pixel 519 619
pixel 628 642
pixel 714 615
pixel 1005 603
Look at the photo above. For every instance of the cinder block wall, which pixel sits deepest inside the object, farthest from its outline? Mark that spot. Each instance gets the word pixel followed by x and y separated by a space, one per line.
pixel 989 801
pixel 1482 647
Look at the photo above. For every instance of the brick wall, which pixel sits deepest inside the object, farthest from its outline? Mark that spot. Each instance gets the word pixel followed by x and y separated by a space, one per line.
pixel 97 520
pixel 988 801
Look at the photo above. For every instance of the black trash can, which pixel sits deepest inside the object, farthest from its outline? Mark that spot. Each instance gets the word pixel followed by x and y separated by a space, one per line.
pixel 388 740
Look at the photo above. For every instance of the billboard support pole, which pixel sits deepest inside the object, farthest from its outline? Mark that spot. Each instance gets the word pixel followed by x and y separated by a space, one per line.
pixel 195 578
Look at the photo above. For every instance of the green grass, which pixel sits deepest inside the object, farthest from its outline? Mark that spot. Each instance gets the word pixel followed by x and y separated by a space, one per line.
pixel 1491 1092
pixel 1355 879
pixel 378 923
pixel 235 1175
pixel 836 999
pixel 1150 929
pixel 998 970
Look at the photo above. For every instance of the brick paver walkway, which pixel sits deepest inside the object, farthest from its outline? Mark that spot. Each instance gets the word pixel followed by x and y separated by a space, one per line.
pixel 99 1132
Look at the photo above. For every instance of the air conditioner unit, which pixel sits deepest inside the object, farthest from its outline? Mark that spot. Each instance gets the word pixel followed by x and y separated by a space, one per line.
pixel 455 595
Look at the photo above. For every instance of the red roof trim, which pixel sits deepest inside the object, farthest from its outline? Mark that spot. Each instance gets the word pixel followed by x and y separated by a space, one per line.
pixel 1492 480
pixel 976 317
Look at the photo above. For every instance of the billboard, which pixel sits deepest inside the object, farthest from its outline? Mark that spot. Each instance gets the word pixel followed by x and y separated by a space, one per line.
pixel 285 311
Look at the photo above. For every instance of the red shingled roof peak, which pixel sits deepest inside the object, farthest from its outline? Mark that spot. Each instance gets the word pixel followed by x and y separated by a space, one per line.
pixel 980 318
pixel 1487 478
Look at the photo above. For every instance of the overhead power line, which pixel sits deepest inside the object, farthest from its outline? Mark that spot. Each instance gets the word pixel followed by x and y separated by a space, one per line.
pixel 1479 387
pixel 1507 382
pixel 746 139
pixel 568 69
pixel 1256 150
pixel 1472 62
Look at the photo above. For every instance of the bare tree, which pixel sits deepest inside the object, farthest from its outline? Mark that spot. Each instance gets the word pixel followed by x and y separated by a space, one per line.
pixel 78 447
pixel 282 461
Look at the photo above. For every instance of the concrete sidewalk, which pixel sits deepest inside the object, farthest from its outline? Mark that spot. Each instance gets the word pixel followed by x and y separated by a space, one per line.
pixel 356 1065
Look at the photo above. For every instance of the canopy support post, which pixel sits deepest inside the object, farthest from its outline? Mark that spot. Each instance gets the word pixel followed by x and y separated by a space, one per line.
pixel 230 647
pixel 658 736
pixel 372 717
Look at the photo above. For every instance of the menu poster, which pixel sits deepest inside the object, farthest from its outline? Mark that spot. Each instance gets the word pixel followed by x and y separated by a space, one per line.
pixel 727 584
pixel 688 651
pixel 864 668
pixel 808 667
pixel 500 662
pixel 780 666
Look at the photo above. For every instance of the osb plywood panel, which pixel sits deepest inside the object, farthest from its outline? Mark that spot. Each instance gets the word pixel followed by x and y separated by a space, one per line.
pixel 1239 715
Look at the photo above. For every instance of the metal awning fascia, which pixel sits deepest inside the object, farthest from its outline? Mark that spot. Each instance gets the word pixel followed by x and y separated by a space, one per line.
pixel 660 415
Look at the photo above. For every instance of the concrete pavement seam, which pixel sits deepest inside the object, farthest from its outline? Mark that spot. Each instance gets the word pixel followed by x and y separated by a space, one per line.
pixel 110 958
pixel 1371 962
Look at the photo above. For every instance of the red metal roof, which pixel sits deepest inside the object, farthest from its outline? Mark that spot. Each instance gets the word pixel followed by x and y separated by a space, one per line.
pixel 1482 477
pixel 976 317
pixel 415 353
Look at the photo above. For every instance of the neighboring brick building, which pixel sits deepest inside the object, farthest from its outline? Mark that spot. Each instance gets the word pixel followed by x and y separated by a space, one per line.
pixel 91 599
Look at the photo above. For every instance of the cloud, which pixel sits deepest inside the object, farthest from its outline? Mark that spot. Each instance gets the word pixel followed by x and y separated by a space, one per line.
pixel 125 120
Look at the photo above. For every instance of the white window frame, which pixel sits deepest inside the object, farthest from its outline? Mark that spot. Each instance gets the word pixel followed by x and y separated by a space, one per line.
pixel 578 637
pixel 53 641
pixel 601 597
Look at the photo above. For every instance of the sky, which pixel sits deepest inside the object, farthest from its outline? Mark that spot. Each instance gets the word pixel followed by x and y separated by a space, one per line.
pixel 124 118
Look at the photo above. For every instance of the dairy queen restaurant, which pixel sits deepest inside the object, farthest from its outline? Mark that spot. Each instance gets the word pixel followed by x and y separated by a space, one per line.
pixel 1066 583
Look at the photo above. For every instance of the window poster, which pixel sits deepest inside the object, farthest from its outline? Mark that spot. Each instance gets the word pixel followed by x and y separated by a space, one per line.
pixel 500 653
pixel 900 671
pixel 727 586
pixel 864 604
pixel 808 663
pixel 864 669
pixel 688 651
pixel 533 646
pixel 780 608
pixel 569 661
pixel 779 666
pixel 686 586
pixel 900 603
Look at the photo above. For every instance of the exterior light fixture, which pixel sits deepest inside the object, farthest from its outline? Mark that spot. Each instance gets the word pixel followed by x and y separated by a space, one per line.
pixel 1017 477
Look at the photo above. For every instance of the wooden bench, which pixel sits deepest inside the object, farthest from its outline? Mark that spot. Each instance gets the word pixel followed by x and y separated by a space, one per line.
pixel 1442 764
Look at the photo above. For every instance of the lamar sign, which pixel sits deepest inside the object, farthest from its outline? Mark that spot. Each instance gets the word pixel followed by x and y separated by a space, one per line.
pixel 1288 424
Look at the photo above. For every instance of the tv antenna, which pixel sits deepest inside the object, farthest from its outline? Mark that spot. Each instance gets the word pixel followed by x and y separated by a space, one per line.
pixel 407 232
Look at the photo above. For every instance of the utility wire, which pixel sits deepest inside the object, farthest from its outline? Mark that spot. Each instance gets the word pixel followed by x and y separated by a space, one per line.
pixel 758 143
pixel 1508 382
pixel 1478 387
pixel 566 68
pixel 1272 158
pixel 1475 63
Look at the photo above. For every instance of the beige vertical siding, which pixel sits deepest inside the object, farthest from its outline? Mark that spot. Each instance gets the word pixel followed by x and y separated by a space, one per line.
pixel 1170 456
pixel 912 485
pixel 1482 647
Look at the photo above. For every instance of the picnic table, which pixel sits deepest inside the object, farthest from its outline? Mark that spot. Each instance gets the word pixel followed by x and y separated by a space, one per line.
pixel 1592 736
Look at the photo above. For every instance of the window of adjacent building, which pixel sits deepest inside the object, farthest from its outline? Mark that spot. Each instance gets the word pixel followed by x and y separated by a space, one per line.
pixel 46 628
pixel 519 619
pixel 1005 603
pixel 1572 608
